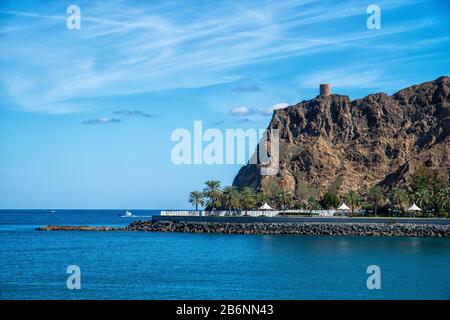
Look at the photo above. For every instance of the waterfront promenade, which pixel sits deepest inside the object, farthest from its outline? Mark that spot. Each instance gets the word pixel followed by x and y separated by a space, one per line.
pixel 296 219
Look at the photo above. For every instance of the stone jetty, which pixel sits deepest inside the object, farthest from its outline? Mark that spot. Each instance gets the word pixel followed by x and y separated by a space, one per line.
pixel 307 228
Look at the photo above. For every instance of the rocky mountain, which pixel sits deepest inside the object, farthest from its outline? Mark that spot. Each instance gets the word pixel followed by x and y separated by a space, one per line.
pixel 331 143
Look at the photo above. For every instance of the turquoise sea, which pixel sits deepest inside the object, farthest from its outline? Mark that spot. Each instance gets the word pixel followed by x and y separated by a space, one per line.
pixel 138 265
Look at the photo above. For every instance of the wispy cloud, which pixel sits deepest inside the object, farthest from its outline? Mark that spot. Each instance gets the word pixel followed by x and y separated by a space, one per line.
pixel 134 113
pixel 125 49
pixel 101 121
pixel 242 111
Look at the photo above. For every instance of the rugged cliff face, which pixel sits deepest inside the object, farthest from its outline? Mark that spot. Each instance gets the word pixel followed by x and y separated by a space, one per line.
pixel 331 143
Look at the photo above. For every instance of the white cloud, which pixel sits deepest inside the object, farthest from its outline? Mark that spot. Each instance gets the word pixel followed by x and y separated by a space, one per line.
pixel 241 111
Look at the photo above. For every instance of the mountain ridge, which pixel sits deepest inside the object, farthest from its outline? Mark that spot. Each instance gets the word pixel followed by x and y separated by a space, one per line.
pixel 333 143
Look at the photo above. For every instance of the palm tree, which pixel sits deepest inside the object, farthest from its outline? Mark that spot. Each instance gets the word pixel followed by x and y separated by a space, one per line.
pixel 437 186
pixel 213 194
pixel 398 197
pixel 423 197
pixel 376 195
pixel 248 198
pixel 444 198
pixel 421 178
pixel 261 198
pixel 196 198
pixel 283 199
pixel 230 198
pixel 353 198
pixel 312 204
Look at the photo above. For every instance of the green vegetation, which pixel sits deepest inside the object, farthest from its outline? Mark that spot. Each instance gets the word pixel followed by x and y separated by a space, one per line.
pixel 197 198
pixel 213 194
pixel 353 199
pixel 312 204
pixel 283 200
pixel 330 200
pixel 398 198
pixel 429 190
pixel 247 198
pixel 230 198
pixel 376 196
pixel 261 198
pixel 444 198
pixel 422 197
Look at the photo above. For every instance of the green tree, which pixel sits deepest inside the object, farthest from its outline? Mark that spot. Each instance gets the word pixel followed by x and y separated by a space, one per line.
pixel 283 199
pixel 423 198
pixel 330 200
pixel 247 198
pixel 196 198
pixel 312 204
pixel 439 183
pixel 213 194
pixel 230 198
pixel 261 198
pixel 444 198
pixel 421 178
pixel 353 199
pixel 398 197
pixel 376 196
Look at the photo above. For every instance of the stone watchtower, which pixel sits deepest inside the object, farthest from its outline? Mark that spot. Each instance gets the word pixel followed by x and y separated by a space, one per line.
pixel 325 89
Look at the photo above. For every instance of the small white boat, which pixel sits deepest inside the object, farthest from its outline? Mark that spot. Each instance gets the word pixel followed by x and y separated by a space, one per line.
pixel 127 214
pixel 52 211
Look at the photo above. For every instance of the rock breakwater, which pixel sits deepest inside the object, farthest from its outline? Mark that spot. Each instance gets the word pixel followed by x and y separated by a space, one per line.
pixel 78 228
pixel 329 229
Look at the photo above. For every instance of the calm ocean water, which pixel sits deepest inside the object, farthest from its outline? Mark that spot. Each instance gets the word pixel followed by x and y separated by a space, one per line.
pixel 135 265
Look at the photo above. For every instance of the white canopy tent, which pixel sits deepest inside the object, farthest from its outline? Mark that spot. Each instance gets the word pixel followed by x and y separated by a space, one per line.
pixel 265 206
pixel 343 207
pixel 414 207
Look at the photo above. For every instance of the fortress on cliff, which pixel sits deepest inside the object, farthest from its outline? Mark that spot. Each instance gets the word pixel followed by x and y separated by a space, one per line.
pixel 325 89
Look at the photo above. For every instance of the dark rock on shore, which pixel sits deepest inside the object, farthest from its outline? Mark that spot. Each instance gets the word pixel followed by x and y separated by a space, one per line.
pixel 78 228
pixel 338 229
pixel 308 228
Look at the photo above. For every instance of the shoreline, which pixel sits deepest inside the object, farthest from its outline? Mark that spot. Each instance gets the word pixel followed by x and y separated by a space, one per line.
pixel 275 228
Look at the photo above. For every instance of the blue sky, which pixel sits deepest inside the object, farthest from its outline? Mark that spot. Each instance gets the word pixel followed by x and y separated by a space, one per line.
pixel 86 115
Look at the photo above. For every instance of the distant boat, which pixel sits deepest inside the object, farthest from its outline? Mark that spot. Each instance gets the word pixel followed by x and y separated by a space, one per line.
pixel 51 211
pixel 127 214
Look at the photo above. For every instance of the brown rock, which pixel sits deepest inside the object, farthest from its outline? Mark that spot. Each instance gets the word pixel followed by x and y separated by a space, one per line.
pixel 333 143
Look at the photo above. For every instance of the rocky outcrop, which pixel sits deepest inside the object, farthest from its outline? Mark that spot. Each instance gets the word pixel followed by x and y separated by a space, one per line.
pixel 331 143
